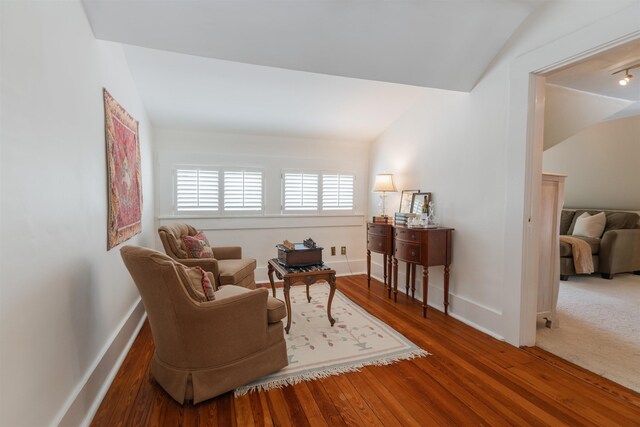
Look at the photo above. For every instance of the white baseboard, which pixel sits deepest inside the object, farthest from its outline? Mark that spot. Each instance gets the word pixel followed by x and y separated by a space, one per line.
pixel 84 402
pixel 487 320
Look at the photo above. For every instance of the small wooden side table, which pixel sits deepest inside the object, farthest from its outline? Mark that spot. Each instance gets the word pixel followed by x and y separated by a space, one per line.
pixel 306 275
pixel 427 247
pixel 380 240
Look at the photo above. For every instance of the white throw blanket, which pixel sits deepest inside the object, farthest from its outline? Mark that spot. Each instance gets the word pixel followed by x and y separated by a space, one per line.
pixel 581 251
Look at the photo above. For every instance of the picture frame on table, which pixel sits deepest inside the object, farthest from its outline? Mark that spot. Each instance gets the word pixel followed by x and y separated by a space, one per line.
pixel 420 202
pixel 406 200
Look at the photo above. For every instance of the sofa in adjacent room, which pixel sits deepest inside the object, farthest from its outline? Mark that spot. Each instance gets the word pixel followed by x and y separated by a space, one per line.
pixel 616 250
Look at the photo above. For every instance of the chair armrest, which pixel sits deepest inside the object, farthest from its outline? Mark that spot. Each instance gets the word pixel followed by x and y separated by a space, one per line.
pixel 227 252
pixel 620 251
pixel 226 329
pixel 207 264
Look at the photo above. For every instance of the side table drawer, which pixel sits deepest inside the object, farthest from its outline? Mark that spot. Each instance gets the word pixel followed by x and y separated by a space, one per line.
pixel 409 252
pixel 379 229
pixel 378 243
pixel 408 235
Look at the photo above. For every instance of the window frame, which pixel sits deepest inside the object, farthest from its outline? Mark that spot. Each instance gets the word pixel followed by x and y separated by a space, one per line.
pixel 320 210
pixel 353 190
pixel 241 212
pixel 283 208
pixel 221 211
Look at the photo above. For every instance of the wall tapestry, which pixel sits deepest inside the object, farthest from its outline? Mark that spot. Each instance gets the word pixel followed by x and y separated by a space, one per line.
pixel 123 168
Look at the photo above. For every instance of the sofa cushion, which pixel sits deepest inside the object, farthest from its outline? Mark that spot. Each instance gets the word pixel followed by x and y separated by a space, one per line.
pixel 594 243
pixel 621 220
pixel 590 225
pixel 232 271
pixel 276 310
pixel 614 219
pixel 566 218
pixel 198 246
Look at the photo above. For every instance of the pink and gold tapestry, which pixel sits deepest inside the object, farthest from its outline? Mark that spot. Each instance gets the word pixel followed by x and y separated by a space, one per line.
pixel 123 168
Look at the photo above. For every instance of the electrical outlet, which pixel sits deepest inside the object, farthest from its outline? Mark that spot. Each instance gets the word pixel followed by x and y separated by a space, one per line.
pixel 343 250
pixel 333 251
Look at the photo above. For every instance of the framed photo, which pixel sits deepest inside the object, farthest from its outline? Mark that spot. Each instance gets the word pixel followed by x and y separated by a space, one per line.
pixel 420 202
pixel 406 199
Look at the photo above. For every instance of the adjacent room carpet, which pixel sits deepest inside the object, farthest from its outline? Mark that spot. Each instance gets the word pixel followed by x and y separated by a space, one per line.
pixel 599 327
pixel 317 350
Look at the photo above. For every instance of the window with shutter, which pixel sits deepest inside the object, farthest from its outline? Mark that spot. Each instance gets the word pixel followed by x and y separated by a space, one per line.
pixel 337 192
pixel 242 191
pixel 196 190
pixel 300 191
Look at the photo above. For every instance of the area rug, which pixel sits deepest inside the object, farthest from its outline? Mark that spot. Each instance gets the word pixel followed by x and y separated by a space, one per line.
pixel 317 350
pixel 599 327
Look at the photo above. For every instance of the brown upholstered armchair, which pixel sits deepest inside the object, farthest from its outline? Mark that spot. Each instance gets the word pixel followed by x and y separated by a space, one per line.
pixel 228 266
pixel 204 349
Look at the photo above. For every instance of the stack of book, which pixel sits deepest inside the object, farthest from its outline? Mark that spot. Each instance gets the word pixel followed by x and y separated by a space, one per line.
pixel 402 218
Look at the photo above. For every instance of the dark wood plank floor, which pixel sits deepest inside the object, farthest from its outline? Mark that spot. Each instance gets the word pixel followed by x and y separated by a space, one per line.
pixel 470 379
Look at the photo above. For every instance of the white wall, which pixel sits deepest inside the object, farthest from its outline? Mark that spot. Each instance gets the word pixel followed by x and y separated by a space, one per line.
pixel 68 305
pixel 568 111
pixel 259 234
pixel 602 165
pixel 471 151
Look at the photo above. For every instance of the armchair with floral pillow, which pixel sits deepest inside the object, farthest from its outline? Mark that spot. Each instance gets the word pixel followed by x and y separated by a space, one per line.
pixel 190 247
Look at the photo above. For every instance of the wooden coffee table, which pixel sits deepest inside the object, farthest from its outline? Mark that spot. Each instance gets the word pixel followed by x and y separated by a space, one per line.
pixel 290 276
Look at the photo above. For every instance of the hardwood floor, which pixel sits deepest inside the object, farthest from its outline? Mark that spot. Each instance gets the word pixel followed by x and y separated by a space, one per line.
pixel 470 379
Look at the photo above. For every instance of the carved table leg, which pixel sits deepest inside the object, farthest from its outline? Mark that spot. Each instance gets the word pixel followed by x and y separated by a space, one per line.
pixel 413 281
pixel 446 289
pixel 425 289
pixel 395 280
pixel 408 276
pixel 270 272
pixel 287 302
pixel 332 285
pixel 384 271
pixel 389 269
pixel 368 269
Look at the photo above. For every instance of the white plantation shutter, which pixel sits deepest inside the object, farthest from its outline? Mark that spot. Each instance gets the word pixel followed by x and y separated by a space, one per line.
pixel 337 192
pixel 300 191
pixel 196 190
pixel 242 191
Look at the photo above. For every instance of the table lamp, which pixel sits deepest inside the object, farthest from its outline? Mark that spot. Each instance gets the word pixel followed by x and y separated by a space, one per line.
pixel 383 185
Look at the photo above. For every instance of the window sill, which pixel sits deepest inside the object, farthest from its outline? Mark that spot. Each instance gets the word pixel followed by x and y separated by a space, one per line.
pixel 252 222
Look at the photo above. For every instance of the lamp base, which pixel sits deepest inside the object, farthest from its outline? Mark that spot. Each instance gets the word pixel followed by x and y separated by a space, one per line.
pixel 382 204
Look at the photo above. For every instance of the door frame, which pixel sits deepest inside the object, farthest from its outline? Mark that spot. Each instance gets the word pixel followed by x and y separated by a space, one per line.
pixel 524 159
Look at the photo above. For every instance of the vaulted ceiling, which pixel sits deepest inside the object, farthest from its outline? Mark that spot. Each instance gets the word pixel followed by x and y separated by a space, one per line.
pixel 431 43
pixel 311 68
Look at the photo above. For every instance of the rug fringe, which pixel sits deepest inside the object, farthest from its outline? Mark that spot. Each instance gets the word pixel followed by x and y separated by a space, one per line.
pixel 327 372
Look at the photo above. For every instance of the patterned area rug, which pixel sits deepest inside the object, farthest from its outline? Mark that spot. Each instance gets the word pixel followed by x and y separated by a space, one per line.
pixel 317 350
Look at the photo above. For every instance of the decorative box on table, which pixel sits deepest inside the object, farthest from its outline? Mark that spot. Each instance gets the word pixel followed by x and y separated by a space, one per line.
pixel 299 254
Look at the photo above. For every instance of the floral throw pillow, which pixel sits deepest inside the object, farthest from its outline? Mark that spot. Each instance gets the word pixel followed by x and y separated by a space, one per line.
pixel 198 283
pixel 198 246
pixel 207 287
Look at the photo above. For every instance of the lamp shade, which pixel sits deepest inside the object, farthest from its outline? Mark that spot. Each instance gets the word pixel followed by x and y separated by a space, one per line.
pixel 384 183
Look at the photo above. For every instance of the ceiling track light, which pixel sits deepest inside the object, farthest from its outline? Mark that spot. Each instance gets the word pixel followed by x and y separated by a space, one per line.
pixel 627 76
pixel 626 79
